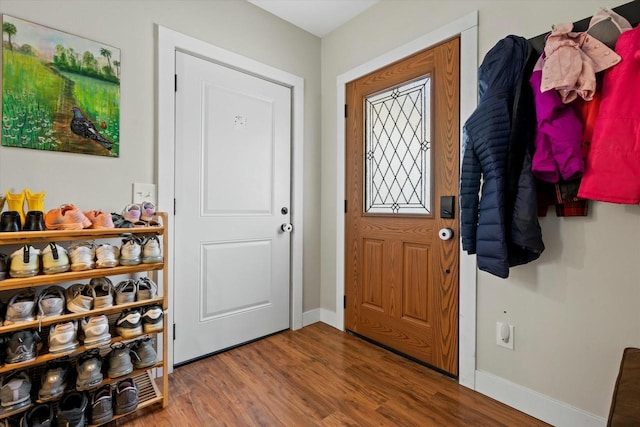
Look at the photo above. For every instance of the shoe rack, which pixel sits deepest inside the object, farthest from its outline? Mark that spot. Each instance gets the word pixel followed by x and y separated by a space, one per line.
pixel 153 383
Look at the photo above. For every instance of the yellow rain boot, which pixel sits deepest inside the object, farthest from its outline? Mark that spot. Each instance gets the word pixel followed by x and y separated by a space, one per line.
pixel 35 201
pixel 15 202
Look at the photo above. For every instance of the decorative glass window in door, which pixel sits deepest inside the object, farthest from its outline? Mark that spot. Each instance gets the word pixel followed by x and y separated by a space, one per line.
pixel 398 150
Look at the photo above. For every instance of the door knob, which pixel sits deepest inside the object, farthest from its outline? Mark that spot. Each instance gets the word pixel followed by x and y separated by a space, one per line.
pixel 445 233
pixel 286 227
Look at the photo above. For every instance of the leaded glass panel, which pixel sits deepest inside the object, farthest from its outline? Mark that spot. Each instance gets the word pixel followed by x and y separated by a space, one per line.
pixel 397 154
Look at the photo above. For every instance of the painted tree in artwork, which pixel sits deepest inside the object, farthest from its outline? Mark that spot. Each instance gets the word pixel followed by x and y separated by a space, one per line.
pixel 107 54
pixel 10 29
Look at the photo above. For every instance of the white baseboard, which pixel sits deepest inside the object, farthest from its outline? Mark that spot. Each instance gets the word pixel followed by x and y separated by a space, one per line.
pixel 310 317
pixel 329 317
pixel 537 405
pixel 319 315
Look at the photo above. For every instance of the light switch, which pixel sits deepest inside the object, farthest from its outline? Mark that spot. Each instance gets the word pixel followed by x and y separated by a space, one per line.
pixel 143 193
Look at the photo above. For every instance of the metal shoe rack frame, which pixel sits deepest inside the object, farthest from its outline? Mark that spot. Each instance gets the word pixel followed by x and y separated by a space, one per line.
pixel 152 391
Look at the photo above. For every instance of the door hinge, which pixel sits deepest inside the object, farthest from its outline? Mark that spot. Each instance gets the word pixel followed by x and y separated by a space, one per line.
pixel 175 82
pixel 345 110
pixel 174 331
pixel 344 302
pixel 345 206
pixel 174 206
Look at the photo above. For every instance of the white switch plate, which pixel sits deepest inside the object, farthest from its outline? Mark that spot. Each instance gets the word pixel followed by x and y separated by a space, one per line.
pixel 509 343
pixel 143 193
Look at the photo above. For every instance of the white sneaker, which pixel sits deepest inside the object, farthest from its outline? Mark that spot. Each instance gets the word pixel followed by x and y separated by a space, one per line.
pixel 79 298
pixel 63 337
pixel 151 253
pixel 130 251
pixel 152 319
pixel 51 302
pixel 95 330
pixel 82 256
pixel 21 308
pixel 25 262
pixel 103 291
pixel 107 256
pixel 147 289
pixel 126 292
pixel 54 259
pixel 129 324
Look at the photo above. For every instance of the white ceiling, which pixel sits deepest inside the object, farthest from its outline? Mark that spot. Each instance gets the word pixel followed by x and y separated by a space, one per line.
pixel 318 17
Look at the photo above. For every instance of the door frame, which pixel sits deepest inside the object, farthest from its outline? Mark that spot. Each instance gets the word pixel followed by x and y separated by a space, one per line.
pixel 467 28
pixel 169 41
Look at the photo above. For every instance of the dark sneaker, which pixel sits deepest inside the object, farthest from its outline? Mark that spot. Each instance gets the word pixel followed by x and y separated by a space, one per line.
pixel 22 346
pixel 126 396
pixel 89 367
pixel 54 380
pixel 129 324
pixel 39 416
pixel 4 267
pixel 15 392
pixel 152 319
pixel 119 361
pixel 101 405
pixel 71 409
pixel 144 353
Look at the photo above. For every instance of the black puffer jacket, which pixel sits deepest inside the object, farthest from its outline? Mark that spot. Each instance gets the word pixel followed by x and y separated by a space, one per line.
pixel 485 222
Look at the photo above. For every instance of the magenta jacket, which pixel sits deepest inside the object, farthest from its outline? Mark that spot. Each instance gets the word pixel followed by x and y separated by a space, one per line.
pixel 558 135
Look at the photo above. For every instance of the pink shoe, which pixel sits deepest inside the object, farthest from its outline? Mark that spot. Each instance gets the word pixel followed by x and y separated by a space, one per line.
pixel 66 217
pixel 100 219
pixel 148 211
pixel 131 213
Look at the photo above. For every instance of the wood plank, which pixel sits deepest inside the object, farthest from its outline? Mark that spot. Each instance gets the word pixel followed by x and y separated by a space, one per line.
pixel 74 276
pixel 319 376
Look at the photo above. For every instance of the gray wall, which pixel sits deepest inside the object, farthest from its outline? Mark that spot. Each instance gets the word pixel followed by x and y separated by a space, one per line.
pixel 576 308
pixel 92 182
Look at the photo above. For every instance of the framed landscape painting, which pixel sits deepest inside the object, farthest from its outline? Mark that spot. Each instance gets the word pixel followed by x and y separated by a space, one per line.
pixel 60 92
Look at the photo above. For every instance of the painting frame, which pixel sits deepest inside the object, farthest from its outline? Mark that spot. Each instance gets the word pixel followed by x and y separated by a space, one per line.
pixel 60 91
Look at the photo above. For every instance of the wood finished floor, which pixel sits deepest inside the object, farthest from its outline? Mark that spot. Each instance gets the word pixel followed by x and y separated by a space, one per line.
pixel 319 376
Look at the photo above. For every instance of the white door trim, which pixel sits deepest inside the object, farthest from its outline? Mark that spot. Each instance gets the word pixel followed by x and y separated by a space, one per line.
pixel 168 42
pixel 467 28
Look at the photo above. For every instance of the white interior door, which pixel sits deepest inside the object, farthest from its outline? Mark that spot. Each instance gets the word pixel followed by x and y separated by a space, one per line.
pixel 233 139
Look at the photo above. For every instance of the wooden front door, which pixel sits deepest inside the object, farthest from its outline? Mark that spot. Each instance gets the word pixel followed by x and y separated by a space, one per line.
pixel 402 133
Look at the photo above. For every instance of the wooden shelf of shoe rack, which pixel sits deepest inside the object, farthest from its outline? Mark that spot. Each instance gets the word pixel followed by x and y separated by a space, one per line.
pixel 150 393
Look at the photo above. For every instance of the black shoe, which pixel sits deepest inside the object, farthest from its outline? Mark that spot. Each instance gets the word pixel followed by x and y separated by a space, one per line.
pixel 22 346
pixel 34 221
pixel 71 409
pixel 4 266
pixel 38 416
pixel 10 221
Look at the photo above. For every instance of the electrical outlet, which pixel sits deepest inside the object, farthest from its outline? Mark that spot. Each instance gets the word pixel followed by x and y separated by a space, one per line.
pixel 504 335
pixel 143 193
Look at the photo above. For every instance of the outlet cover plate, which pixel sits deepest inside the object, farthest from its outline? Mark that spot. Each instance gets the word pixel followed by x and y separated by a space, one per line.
pixel 143 193
pixel 499 341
